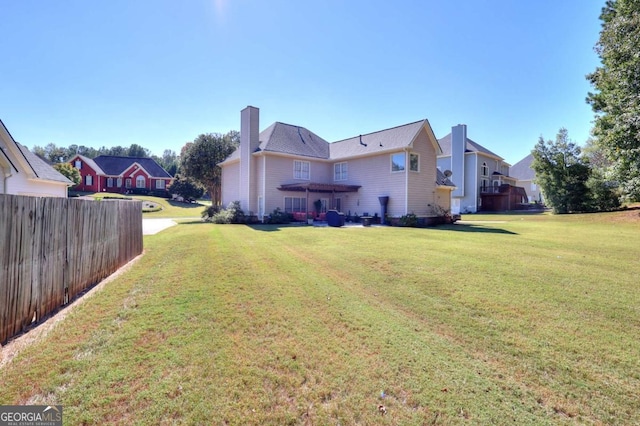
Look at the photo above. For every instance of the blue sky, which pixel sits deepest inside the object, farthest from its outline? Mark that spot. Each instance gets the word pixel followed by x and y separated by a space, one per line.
pixel 160 72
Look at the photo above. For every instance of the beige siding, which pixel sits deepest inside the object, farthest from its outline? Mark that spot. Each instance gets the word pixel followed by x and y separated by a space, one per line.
pixel 422 184
pixel 374 176
pixel 230 183
pixel 280 172
pixel 443 198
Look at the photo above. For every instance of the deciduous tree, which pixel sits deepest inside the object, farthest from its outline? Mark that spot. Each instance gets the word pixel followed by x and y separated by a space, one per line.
pixel 69 172
pixel 199 160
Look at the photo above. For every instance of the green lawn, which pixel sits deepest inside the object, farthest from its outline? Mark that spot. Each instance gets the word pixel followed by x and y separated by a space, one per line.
pixel 528 319
pixel 161 207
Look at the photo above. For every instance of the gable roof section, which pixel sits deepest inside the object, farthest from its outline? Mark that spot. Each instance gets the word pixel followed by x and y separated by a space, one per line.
pixel 294 140
pixel 113 165
pixel 40 168
pixel 445 144
pixel 381 141
pixel 89 162
pixel 35 166
pixel 522 169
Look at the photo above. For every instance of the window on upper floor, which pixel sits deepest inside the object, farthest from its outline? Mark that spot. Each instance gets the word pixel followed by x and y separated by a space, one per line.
pixel 398 162
pixel 78 164
pixel 414 162
pixel 340 171
pixel 301 169
pixel 484 170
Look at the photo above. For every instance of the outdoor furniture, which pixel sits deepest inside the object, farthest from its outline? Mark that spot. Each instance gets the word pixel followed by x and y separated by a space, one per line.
pixel 366 220
pixel 335 218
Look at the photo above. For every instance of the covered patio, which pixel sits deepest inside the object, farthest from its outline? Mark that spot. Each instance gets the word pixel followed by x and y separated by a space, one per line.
pixel 319 188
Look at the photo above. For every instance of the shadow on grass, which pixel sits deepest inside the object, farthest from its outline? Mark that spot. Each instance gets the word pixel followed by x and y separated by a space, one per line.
pixel 185 205
pixel 272 228
pixel 459 227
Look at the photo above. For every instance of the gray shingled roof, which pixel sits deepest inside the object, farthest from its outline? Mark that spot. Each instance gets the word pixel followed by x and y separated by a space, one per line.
pixel 522 169
pixel 442 180
pixel 296 140
pixel 384 140
pixel 445 144
pixel 41 169
pixel 114 165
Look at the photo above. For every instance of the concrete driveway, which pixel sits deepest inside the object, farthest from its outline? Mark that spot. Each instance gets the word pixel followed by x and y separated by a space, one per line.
pixel 153 226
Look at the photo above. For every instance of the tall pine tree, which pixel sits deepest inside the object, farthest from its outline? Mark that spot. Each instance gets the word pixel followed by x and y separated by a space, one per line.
pixel 616 100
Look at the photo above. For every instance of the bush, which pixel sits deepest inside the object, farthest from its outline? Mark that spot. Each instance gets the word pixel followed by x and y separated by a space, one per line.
pixel 161 193
pixel 210 211
pixel 409 219
pixel 278 217
pixel 232 214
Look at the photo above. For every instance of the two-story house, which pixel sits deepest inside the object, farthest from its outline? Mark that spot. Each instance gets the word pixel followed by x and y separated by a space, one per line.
pixel 392 171
pixel 481 177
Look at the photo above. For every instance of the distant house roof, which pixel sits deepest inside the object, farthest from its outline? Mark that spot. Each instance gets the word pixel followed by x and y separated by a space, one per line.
pixel 113 165
pixel 445 144
pixel 40 168
pixel 522 169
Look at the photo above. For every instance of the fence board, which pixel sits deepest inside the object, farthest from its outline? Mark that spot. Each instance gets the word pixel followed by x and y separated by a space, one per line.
pixel 52 249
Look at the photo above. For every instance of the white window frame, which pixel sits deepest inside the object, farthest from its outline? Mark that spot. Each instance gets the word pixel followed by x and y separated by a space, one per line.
pixel 140 179
pixel 119 182
pixel 160 184
pixel 340 171
pixel 417 156
pixel 78 164
pixel 88 180
pixel 109 182
pixel 296 204
pixel 301 170
pixel 484 170
pixel 397 167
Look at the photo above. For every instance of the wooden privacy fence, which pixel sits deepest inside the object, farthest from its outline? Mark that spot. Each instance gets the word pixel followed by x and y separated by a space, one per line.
pixel 52 249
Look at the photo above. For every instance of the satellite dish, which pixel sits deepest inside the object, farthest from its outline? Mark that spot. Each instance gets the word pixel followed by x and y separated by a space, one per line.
pixel 447 173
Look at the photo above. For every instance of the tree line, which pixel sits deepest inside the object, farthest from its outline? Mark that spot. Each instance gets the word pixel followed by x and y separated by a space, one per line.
pixel 59 154
pixel 607 171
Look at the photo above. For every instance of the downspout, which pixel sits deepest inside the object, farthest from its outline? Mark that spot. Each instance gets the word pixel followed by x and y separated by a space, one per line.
pixel 477 189
pixel 406 181
pixel 264 187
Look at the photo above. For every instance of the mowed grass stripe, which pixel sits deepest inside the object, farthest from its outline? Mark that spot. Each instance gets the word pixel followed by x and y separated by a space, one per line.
pixel 294 325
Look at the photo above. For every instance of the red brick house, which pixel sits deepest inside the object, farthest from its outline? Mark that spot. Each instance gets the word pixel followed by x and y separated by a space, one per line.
pixel 108 173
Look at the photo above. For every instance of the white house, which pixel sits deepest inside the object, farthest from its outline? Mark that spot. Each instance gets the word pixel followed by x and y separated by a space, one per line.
pixel 24 173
